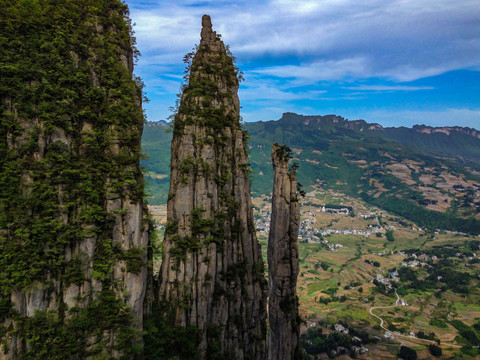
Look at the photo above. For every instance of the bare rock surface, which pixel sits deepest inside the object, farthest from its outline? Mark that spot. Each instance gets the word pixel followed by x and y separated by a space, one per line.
pixel 284 332
pixel 212 274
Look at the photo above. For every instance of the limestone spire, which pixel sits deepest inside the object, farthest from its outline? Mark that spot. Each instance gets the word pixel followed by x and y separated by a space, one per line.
pixel 207 34
pixel 283 267
pixel 212 269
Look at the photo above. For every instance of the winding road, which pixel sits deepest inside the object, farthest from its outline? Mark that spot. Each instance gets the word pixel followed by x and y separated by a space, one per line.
pixel 398 334
pixel 384 307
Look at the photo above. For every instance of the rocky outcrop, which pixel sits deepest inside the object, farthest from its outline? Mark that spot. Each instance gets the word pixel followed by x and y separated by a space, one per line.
pixel 319 122
pixel 73 230
pixel 212 275
pixel 447 130
pixel 284 332
pixel 327 121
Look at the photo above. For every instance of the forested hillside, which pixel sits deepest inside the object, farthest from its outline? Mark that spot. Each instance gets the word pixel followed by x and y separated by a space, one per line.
pixel 437 189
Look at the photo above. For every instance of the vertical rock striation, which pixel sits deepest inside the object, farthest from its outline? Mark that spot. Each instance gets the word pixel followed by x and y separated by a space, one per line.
pixel 73 232
pixel 212 273
pixel 283 335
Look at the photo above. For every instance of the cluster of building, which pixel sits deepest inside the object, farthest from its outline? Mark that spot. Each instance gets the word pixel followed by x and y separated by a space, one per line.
pixel 424 260
pixel 262 221
pixel 366 233
pixel 336 211
pixel 389 335
pixel 311 234
pixel 357 349
pixel 372 215
pixel 386 280
pixel 307 231
pixel 417 260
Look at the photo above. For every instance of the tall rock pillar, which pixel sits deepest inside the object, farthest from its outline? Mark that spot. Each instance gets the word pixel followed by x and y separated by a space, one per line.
pixel 283 335
pixel 73 229
pixel 211 275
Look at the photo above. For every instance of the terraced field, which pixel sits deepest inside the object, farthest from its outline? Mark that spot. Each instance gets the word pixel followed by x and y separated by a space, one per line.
pixel 337 285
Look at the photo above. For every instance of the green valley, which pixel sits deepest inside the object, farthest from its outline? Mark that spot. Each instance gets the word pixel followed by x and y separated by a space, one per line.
pixel 355 261
pixel 380 218
pixel 361 160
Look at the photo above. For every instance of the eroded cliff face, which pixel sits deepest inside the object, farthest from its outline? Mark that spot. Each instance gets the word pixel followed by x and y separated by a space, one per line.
pixel 212 270
pixel 73 230
pixel 284 332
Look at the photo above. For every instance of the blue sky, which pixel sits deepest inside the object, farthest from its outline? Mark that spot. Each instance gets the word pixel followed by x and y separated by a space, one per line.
pixel 395 62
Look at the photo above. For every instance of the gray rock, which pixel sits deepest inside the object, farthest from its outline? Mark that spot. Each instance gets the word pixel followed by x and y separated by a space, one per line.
pixel 207 34
pixel 283 267
pixel 124 224
pixel 212 269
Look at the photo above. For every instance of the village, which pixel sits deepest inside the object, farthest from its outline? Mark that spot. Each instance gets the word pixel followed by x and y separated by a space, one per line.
pixel 309 232
pixel 327 234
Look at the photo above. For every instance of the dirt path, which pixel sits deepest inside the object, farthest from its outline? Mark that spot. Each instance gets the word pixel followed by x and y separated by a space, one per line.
pixel 396 334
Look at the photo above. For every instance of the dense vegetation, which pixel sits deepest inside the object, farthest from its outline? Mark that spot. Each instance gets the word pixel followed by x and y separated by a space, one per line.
pixel 333 343
pixel 163 341
pixel 407 353
pixel 68 102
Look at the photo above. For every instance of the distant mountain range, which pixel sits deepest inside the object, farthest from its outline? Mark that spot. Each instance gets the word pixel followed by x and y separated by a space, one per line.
pixel 158 123
pixel 455 141
pixel 428 175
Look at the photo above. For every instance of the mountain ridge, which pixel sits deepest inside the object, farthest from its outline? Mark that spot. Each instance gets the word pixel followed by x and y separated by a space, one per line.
pixel 432 177
pixel 460 142
pixel 361 124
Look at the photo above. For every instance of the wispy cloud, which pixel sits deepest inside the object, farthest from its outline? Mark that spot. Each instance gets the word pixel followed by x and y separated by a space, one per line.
pixel 265 92
pixel 389 88
pixel 320 71
pixel 401 39
pixel 296 47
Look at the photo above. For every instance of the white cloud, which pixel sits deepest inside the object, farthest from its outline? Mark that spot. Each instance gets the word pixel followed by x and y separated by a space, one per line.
pixel 270 92
pixel 402 40
pixel 289 44
pixel 389 88
pixel 162 86
pixel 320 70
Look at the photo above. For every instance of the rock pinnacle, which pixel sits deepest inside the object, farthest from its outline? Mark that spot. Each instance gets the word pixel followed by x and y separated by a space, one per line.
pixel 283 336
pixel 207 34
pixel 212 268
